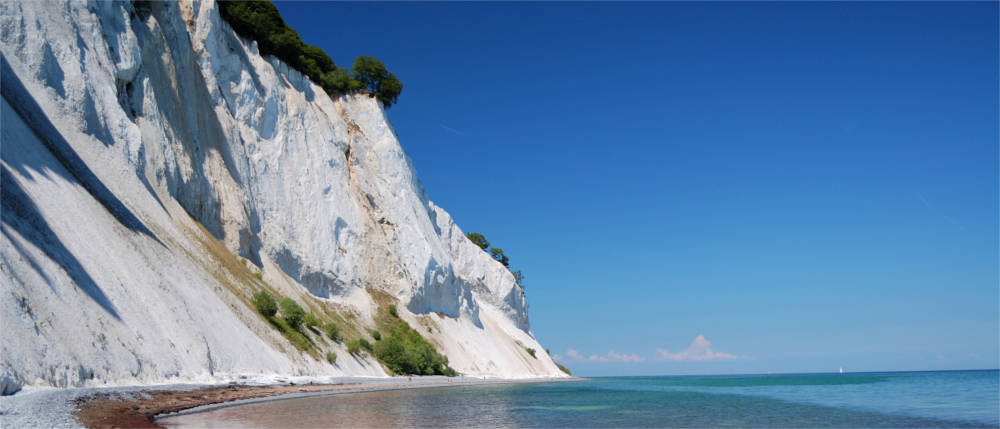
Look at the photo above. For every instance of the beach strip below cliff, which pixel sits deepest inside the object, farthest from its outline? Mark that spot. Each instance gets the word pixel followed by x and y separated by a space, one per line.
pixel 140 406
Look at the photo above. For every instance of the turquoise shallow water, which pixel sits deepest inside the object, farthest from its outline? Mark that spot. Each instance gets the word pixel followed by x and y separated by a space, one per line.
pixel 894 399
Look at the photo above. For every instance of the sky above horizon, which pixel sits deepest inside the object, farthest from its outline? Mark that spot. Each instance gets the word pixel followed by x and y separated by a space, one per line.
pixel 705 188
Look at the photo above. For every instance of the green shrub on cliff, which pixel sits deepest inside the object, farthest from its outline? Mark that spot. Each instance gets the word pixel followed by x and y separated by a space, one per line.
pixel 265 304
pixel 366 345
pixel 377 80
pixel 478 239
pixel 292 313
pixel 332 331
pixel 311 320
pixel 354 347
pixel 497 253
pixel 259 20
pixel 530 350
pixel 405 351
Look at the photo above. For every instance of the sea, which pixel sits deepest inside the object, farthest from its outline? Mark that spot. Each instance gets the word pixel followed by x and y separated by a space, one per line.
pixel 855 400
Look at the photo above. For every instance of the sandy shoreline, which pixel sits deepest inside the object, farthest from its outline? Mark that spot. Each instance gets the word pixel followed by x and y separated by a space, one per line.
pixel 140 406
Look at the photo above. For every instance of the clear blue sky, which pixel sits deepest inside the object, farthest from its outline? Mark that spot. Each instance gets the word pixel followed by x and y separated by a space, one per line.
pixel 808 186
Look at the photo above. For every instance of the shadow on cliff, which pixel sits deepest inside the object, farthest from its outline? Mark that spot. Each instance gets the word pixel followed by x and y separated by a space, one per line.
pixel 31 113
pixel 21 214
pixel 444 293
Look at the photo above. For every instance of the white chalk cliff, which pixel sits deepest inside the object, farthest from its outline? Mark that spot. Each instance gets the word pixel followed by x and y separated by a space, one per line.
pixel 153 166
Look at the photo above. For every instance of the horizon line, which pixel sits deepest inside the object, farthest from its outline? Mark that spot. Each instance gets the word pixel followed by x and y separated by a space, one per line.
pixel 786 373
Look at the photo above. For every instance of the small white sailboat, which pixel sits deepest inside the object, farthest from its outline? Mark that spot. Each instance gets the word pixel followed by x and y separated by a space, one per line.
pixel 841 370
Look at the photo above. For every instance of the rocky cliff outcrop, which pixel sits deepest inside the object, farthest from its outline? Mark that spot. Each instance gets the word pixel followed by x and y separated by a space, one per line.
pixel 156 170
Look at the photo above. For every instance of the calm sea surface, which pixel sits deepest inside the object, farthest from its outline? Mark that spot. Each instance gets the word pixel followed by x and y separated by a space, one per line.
pixel 892 399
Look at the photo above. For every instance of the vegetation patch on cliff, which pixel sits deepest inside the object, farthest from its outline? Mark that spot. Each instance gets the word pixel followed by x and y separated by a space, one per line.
pixel 260 21
pixel 530 350
pixel 497 254
pixel 404 351
pixel 400 348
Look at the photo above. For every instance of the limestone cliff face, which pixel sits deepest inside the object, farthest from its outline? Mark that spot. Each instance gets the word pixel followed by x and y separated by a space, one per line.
pixel 153 164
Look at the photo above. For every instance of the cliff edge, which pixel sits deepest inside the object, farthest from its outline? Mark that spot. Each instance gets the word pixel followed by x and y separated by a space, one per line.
pixel 157 171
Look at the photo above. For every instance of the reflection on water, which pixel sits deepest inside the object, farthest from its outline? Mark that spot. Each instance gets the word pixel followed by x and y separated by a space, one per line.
pixel 960 399
pixel 432 407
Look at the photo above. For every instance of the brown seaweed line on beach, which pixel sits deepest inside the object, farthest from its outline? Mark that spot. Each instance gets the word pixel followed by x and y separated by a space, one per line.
pixel 140 409
pixel 106 411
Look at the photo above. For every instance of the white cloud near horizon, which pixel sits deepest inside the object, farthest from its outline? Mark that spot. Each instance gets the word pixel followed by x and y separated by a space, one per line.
pixel 699 350
pixel 611 356
pixel 615 357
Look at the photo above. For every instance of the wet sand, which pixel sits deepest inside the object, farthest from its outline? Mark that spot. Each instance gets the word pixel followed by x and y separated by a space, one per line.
pixel 140 410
